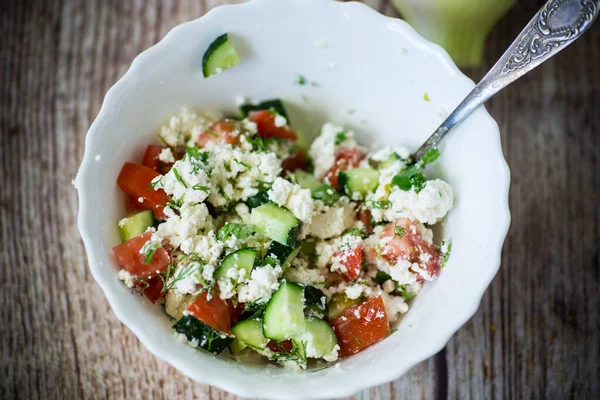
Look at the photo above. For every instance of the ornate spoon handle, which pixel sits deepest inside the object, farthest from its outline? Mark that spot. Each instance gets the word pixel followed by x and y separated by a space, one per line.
pixel 558 24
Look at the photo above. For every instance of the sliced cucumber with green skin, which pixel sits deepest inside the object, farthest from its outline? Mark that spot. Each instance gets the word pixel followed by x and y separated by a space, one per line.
pixel 136 224
pixel 315 302
pixel 276 223
pixel 391 160
pixel 321 335
pixel 219 56
pixel 357 183
pixel 284 254
pixel 250 332
pixel 273 105
pixel 197 331
pixel 305 179
pixel 236 346
pixel 339 303
pixel 258 199
pixel 240 259
pixel 284 315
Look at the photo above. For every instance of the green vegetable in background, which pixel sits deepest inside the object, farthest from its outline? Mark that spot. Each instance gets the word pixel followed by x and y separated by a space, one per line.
pixel 459 26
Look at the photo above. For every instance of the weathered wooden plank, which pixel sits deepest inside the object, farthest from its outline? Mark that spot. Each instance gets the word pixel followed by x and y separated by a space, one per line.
pixel 535 335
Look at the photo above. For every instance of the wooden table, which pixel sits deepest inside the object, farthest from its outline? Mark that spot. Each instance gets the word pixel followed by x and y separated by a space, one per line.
pixel 536 334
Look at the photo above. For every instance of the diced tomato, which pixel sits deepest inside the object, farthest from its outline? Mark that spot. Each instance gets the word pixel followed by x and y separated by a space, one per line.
pixel 212 310
pixel 235 311
pixel 265 124
pixel 284 346
pixel 364 215
pixel 346 159
pixel 295 161
pixel 410 246
pixel 130 259
pixel 133 205
pixel 361 326
pixel 225 130
pixel 351 258
pixel 154 289
pixel 135 181
pixel 151 159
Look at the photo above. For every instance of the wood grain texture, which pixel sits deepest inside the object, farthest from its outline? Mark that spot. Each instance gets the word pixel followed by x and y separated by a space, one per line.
pixel 536 334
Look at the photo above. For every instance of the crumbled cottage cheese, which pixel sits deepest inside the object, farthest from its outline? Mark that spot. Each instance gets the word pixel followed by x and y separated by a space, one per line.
pixel 185 182
pixel 428 206
pixel 236 174
pixel 324 148
pixel 263 282
pixel 209 187
pixel 126 277
pixel 185 127
pixel 330 221
pixel 166 156
pixel 291 196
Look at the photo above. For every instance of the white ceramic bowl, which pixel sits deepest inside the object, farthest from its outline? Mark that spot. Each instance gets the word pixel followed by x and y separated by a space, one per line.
pixel 372 74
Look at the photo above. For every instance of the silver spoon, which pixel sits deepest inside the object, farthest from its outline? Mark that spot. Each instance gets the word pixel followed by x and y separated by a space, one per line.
pixel 558 24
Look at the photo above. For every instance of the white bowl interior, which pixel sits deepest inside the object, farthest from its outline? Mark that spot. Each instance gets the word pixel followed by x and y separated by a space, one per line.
pixel 372 76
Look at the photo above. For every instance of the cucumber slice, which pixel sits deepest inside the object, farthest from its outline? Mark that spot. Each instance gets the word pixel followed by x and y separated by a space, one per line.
pixel 316 302
pixel 206 337
pixel 357 183
pixel 240 259
pixel 276 223
pixel 392 159
pixel 258 199
pixel 236 346
pixel 284 254
pixel 284 316
pixel 305 179
pixel 219 56
pixel 321 336
pixel 339 303
pixel 273 105
pixel 250 333
pixel 136 224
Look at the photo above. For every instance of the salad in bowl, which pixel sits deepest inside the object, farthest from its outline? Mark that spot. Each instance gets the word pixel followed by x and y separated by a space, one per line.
pixel 303 211
pixel 257 248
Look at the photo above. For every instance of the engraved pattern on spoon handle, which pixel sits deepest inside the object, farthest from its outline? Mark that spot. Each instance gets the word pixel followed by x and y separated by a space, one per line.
pixel 554 27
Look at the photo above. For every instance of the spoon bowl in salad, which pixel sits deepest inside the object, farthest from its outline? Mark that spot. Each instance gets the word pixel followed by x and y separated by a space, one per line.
pixel 328 62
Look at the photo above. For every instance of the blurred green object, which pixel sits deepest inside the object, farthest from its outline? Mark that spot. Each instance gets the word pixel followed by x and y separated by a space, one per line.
pixel 459 26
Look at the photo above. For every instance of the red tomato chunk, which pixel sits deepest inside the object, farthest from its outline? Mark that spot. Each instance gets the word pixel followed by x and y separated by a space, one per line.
pixel 265 124
pixel 154 289
pixel 129 257
pixel 295 161
pixel 212 310
pixel 351 258
pixel 361 326
pixel 151 159
pixel 135 181
pixel 226 130
pixel 410 246
pixel 344 160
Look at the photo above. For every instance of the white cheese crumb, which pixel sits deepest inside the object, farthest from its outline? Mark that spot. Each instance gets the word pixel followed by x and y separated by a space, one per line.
pixel 293 197
pixel 428 206
pixel 331 221
pixel 324 148
pixel 98 157
pixel 280 121
pixel 126 277
pixel 263 282
pixel 166 156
